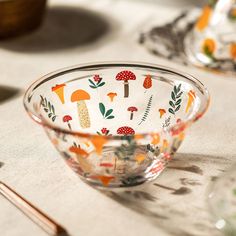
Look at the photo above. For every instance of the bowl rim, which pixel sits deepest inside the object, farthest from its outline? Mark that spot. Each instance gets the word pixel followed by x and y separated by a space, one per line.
pixel 177 128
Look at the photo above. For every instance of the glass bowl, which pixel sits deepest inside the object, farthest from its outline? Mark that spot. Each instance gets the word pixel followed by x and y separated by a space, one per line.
pixel 116 124
pixel 222 202
pixel 212 41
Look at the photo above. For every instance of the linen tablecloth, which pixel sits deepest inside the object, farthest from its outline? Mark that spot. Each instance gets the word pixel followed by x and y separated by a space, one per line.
pixel 99 30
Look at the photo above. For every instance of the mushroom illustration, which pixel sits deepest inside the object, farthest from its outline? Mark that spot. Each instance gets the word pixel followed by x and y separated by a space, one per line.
pixel 59 90
pixel 162 112
pixel 125 130
pixel 126 76
pixel 112 95
pixel 132 110
pixel 79 151
pixel 106 165
pixel 80 96
pixel 98 142
pixel 82 158
pixel 67 119
pixel 191 97
pixel 105 179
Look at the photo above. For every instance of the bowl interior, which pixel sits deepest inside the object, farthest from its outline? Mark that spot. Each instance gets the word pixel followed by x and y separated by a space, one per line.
pixel 116 99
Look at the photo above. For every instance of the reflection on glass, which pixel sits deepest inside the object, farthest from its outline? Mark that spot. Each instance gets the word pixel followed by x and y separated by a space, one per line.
pixel 222 202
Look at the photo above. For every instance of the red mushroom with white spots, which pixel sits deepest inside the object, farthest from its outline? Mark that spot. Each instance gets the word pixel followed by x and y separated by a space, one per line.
pixel 125 130
pixel 67 119
pixel 132 110
pixel 125 76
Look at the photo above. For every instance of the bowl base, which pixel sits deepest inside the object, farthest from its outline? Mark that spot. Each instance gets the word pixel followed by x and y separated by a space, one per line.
pixel 118 181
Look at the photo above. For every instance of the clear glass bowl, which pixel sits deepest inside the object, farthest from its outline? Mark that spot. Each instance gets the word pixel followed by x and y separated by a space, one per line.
pixel 116 124
pixel 222 202
pixel 212 41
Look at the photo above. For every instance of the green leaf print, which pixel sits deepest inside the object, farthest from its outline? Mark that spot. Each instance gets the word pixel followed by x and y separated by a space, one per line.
pixel 175 103
pixel 48 108
pixel 105 114
pixel 109 112
pixel 102 108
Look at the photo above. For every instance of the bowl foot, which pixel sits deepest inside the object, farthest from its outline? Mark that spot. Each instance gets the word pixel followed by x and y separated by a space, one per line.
pixel 110 182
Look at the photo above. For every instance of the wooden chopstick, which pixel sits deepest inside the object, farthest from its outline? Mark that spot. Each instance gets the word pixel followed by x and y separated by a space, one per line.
pixel 36 215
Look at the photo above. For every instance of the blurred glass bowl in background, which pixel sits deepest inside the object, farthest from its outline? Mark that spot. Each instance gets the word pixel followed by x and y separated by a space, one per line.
pixel 222 202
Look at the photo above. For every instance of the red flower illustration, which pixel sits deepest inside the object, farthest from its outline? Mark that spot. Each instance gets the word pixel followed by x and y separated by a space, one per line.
pixel 105 131
pixel 97 78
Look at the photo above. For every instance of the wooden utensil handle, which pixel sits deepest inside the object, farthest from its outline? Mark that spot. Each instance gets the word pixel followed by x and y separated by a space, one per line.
pixel 36 215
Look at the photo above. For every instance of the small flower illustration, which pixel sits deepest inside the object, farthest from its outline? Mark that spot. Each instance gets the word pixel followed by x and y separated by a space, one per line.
pixel 97 78
pixel 96 82
pixel 104 131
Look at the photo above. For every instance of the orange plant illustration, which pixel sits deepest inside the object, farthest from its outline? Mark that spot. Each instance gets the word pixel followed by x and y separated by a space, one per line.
pixel 203 20
pixel 191 97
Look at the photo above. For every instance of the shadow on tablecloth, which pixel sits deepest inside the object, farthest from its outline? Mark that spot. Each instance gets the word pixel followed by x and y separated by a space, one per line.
pixel 176 200
pixel 64 27
pixel 8 93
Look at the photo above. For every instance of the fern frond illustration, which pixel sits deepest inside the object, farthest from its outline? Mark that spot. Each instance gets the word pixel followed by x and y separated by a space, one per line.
pixel 175 102
pixel 146 113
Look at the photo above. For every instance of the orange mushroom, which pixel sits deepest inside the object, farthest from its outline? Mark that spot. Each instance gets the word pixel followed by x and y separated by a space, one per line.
pixel 191 97
pixel 98 142
pixel 59 90
pixel 81 156
pixel 105 179
pixel 112 95
pixel 162 112
pixel 204 18
pixel 80 96
pixel 79 151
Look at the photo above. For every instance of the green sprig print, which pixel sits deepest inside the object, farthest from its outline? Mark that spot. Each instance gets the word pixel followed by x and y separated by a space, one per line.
pixel 175 102
pixel 48 108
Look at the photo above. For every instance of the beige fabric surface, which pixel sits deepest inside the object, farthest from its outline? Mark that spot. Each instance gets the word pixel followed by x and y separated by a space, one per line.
pixel 34 168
